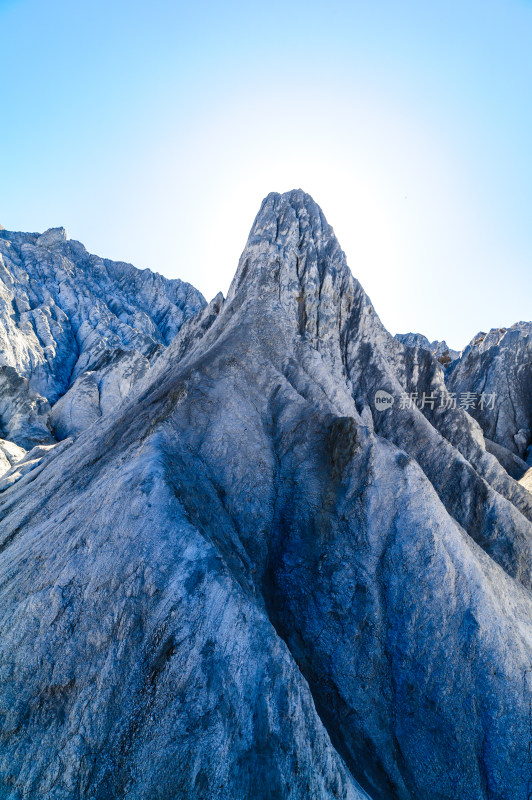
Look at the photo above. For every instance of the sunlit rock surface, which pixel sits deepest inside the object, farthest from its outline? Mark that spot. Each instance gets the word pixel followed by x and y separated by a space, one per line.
pixel 65 313
pixel 97 391
pixel 247 580
pixel 10 453
pixel 526 480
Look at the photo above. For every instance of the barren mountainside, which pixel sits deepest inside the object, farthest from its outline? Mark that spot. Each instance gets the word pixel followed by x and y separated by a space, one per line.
pixel 76 331
pixel 281 562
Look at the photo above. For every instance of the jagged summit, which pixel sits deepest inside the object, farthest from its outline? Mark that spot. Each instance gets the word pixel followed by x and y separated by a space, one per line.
pixel 294 211
pixel 294 269
pixel 291 228
pixel 52 236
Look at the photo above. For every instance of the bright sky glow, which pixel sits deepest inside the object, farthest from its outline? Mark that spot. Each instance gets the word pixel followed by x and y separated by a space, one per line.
pixel 153 131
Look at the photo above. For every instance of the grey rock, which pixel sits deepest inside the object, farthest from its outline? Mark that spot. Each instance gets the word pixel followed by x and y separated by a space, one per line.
pixel 247 581
pixel 64 313
pixel 513 465
pixel 526 480
pixel 52 237
pixel 97 392
pixel 23 412
pixel 10 453
pixel 441 350
pixel 29 461
pixel 498 367
pixel 331 310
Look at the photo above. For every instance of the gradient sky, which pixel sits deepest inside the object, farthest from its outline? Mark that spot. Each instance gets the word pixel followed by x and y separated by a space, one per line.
pixel 152 131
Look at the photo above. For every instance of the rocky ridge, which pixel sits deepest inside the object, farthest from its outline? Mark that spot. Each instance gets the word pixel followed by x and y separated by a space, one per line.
pixel 78 329
pixel 441 350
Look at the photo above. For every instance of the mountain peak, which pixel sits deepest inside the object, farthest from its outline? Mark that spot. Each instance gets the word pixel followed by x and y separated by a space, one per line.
pixel 294 198
pixel 52 236
pixel 294 273
pixel 291 247
pixel 290 218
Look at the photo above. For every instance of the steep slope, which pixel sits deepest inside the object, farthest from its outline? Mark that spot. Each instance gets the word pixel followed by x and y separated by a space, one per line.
pixel 248 580
pixel 64 314
pixel 496 368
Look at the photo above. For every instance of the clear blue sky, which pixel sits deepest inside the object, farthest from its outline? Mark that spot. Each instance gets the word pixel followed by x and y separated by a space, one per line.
pixel 152 131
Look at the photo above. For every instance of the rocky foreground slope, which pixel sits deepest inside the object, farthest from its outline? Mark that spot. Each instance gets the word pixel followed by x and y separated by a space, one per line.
pixel 271 571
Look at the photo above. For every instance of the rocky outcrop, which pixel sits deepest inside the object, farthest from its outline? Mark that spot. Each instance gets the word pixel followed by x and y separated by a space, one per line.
pixel 10 453
pixel 97 391
pixel 24 414
pixel 252 579
pixel 495 369
pixel 441 350
pixel 64 313
pixel 513 465
pixel 526 480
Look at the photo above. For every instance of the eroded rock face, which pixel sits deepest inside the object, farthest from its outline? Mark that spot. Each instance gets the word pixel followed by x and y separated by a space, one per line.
pixel 63 312
pixel 24 414
pixel 526 480
pixel 441 350
pixel 97 391
pixel 498 367
pixel 10 453
pixel 248 581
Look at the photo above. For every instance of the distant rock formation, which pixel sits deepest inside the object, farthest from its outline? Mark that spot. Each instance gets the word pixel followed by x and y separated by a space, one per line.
pixel 68 319
pixel 445 354
pixel 497 369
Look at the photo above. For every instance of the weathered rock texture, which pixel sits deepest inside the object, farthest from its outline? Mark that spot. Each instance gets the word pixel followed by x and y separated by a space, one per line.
pixel 65 317
pixel 10 453
pixel 441 350
pixel 247 581
pixel 499 363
